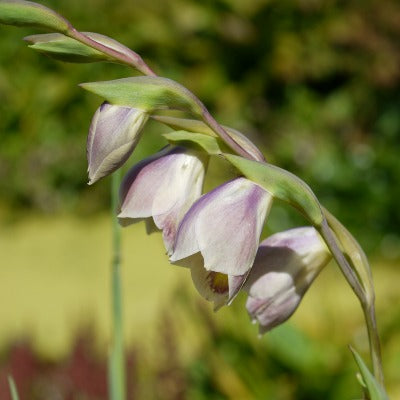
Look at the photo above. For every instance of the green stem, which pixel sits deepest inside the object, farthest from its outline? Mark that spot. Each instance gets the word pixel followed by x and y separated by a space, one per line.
pixel 116 366
pixel 374 342
pixel 131 59
pixel 346 269
pixel 367 302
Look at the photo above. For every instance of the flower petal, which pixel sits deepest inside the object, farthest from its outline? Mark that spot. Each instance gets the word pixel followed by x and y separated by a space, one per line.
pixel 163 187
pixel 213 286
pixel 285 266
pixel 225 226
pixel 113 135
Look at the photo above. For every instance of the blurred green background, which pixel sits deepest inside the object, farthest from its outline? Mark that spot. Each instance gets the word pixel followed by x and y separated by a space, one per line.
pixel 314 83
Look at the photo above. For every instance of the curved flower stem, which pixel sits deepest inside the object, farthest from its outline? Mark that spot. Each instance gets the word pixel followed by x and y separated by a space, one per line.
pixel 116 364
pixel 135 61
pixel 348 272
pixel 132 59
pixel 367 302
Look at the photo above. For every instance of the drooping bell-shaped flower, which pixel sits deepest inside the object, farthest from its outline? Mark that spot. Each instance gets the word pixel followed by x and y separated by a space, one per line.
pixel 285 266
pixel 163 187
pixel 224 225
pixel 113 134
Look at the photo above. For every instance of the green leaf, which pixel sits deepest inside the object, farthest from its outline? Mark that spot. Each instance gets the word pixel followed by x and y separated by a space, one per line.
pixel 63 48
pixel 193 125
pixel 207 143
pixel 13 388
pixel 27 13
pixel 354 253
pixel 282 185
pixel 374 390
pixel 146 92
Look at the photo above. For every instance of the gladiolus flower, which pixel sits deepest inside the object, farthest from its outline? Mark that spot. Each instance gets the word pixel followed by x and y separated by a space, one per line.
pixel 224 225
pixel 285 266
pixel 113 135
pixel 163 186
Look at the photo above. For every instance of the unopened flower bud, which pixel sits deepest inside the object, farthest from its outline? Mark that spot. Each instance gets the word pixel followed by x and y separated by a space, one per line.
pixel 113 135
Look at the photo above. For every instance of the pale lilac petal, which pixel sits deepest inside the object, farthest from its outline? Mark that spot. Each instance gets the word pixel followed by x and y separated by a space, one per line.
pixel 225 226
pixel 113 135
pixel 163 187
pixel 285 266
pixel 274 314
pixel 142 184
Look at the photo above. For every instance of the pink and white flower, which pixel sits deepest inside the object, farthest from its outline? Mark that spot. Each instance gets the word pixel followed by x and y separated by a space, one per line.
pixel 224 226
pixel 285 266
pixel 163 187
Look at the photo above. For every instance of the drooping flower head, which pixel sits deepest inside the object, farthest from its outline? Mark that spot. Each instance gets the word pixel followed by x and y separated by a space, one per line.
pixel 224 226
pixel 163 187
pixel 285 266
pixel 113 134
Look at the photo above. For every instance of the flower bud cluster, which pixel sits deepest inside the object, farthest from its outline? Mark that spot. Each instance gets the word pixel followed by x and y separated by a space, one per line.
pixel 217 234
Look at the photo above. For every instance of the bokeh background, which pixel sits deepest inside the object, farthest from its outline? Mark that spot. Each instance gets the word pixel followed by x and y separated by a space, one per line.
pixel 314 83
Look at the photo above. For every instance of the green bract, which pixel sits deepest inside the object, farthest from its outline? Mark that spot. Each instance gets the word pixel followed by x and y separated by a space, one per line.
pixel 281 184
pixel 354 253
pixel 193 125
pixel 146 92
pixel 63 48
pixel 27 13
pixel 374 390
pixel 207 143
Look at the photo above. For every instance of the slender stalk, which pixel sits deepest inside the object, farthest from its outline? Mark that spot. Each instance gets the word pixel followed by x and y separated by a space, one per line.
pixel 374 343
pixel 116 365
pixel 132 59
pixel 366 302
pixel 348 272
pixel 13 388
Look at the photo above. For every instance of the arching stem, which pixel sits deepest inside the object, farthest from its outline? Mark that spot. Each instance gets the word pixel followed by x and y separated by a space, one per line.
pixel 116 364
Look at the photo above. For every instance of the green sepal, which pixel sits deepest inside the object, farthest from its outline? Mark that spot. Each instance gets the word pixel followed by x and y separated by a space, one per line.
pixel 282 185
pixel 149 93
pixel 206 143
pixel 354 253
pixel 28 13
pixel 193 125
pixel 373 388
pixel 64 48
pixel 13 388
